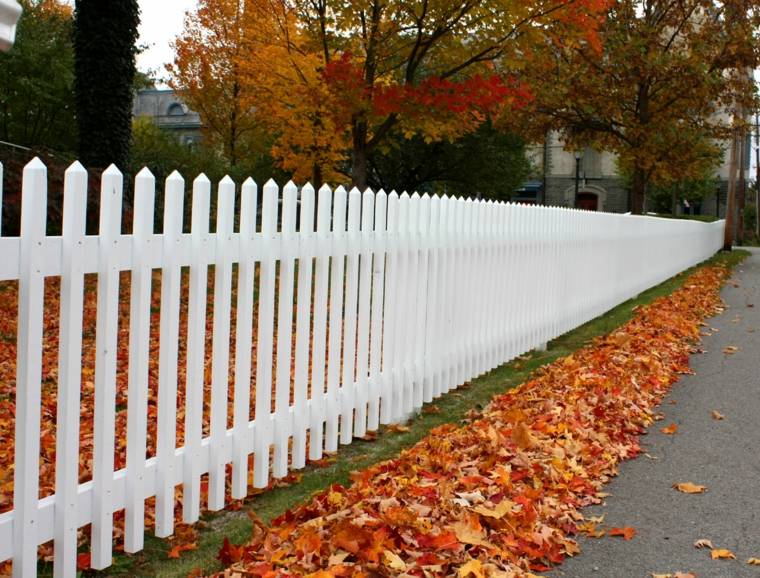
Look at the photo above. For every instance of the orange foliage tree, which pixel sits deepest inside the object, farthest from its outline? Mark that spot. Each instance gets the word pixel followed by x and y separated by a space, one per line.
pixel 331 80
pixel 659 93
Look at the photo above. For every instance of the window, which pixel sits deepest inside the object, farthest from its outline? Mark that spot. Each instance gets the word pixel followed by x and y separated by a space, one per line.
pixel 175 109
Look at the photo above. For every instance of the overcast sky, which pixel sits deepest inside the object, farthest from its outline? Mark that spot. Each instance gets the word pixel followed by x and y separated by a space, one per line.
pixel 160 22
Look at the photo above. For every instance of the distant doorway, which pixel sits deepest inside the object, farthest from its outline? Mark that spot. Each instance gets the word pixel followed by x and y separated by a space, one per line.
pixel 588 201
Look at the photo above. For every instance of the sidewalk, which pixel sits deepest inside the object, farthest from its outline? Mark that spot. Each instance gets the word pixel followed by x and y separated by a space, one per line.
pixel 723 455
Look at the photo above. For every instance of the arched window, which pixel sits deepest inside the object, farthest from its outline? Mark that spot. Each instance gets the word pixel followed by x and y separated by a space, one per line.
pixel 175 109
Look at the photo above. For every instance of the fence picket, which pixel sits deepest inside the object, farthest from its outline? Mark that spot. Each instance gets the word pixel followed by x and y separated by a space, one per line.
pixel 69 371
pixel 379 251
pixel 391 293
pixel 262 438
pixel 365 293
pixel 196 348
pixel 337 268
pixel 282 422
pixel 105 367
pixel 167 357
pixel 220 344
pixel 303 326
pixel 244 340
pixel 319 348
pixel 139 353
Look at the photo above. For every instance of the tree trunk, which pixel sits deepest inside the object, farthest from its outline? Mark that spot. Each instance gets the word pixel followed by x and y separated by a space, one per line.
pixel 728 238
pixel 359 157
pixel 638 190
pixel 316 176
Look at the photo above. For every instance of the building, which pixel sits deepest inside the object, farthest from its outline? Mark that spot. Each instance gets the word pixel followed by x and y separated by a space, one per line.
pixel 600 186
pixel 168 113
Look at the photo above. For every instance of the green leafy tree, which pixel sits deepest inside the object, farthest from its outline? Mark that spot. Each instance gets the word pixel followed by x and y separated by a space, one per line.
pixel 104 39
pixel 487 162
pixel 37 80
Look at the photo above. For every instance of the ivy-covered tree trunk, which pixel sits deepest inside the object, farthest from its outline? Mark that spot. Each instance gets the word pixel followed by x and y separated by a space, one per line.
pixel 104 41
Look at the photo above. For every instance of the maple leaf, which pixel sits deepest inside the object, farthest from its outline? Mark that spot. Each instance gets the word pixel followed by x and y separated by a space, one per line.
pixel 84 561
pixel 229 553
pixel 703 543
pixel 626 532
pixel 397 428
pixel 722 554
pixel 669 430
pixel 689 488
pixel 471 568
pixel 717 415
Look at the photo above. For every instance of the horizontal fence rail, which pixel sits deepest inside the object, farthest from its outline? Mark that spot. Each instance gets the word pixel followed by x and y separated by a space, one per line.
pixel 299 320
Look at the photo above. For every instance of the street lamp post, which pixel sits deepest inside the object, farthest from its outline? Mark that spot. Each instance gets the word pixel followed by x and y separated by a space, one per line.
pixel 577 176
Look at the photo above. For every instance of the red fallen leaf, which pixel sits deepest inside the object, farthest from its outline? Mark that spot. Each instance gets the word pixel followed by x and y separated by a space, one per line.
pixel 83 561
pixel 229 553
pixel 626 533
pixel 443 541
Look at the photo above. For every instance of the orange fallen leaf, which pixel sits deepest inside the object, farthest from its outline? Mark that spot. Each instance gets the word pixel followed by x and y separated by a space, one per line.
pixel 704 543
pixel 689 488
pixel 669 430
pixel 717 415
pixel 722 554
pixel 178 549
pixel 522 437
pixel 754 561
pixel 397 428
pixel 627 533
pixel 730 350
pixel 684 575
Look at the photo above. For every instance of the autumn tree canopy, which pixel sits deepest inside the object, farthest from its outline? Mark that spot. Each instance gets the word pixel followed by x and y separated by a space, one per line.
pixel 332 79
pixel 658 90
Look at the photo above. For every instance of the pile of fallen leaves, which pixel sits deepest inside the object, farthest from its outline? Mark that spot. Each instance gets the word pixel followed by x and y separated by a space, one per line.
pixel 499 496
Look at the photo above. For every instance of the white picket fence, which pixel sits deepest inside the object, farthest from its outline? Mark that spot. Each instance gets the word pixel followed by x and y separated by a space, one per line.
pixel 399 299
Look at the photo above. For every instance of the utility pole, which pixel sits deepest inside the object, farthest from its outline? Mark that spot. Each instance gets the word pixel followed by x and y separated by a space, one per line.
pixel 728 238
pixel 757 176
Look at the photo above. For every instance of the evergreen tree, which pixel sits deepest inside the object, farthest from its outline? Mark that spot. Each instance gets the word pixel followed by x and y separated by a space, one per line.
pixel 104 40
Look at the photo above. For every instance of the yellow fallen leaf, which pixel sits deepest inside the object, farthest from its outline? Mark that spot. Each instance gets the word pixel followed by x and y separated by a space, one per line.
pixel 522 437
pixel 716 414
pixel 684 575
pixel 722 554
pixel 754 561
pixel 704 543
pixel 501 509
pixel 730 350
pixel 397 428
pixel 669 430
pixel 662 576
pixel 394 561
pixel 471 568
pixel 468 535
pixel 689 488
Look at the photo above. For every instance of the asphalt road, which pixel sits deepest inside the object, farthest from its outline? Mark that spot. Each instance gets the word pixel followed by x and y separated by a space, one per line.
pixel 723 455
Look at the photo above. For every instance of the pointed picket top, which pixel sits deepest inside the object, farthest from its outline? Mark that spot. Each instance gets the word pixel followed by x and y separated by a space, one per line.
pixel 404 195
pixel 35 164
pixel 200 179
pixel 341 189
pixel 368 193
pixel 175 177
pixel 425 197
pixel 307 187
pixel 354 191
pixel 249 182
pixel 227 180
pixel 290 186
pixel 271 183
pixel 393 194
pixel 75 168
pixel 112 170
pixel 415 195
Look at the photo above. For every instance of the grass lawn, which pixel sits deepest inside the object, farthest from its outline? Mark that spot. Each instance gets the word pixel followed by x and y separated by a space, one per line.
pixel 236 525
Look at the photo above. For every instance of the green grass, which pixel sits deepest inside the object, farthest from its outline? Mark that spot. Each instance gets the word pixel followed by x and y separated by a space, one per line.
pixel 153 560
